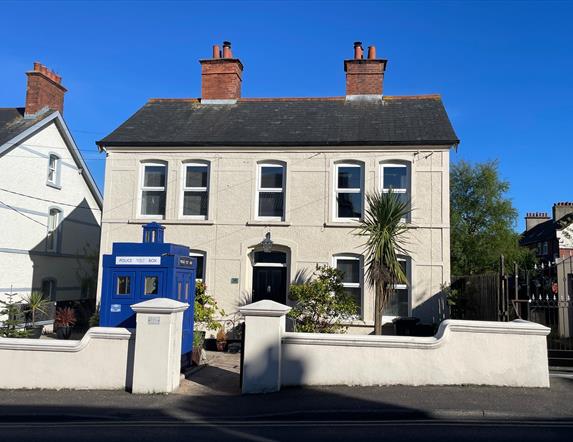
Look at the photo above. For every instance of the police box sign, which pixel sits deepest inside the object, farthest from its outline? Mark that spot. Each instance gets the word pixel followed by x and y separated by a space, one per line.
pixel 185 261
pixel 138 260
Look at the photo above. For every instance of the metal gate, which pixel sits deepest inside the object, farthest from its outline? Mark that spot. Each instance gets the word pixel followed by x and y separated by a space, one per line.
pixel 541 294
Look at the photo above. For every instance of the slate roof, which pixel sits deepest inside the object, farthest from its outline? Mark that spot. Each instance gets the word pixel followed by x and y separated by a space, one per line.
pixel 544 231
pixel 287 122
pixel 12 122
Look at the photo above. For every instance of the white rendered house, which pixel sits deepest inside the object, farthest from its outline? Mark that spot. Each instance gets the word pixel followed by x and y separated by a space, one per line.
pixel 223 173
pixel 50 206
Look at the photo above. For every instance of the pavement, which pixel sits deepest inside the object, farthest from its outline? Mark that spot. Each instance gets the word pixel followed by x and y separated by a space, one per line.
pixel 209 405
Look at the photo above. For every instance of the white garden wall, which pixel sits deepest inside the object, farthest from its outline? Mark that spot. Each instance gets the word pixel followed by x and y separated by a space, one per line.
pixel 462 353
pixel 103 359
pixel 106 358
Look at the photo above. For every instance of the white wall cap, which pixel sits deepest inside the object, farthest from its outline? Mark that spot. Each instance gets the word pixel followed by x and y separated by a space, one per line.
pixel 72 346
pixel 266 307
pixel 160 305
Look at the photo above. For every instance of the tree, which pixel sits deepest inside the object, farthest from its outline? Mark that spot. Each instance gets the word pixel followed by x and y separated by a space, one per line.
pixel 482 220
pixel 383 227
pixel 321 303
pixel 11 318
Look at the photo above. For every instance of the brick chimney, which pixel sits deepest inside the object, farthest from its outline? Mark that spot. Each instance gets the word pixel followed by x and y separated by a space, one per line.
pixel 534 218
pixel 561 209
pixel 364 77
pixel 221 76
pixel 44 90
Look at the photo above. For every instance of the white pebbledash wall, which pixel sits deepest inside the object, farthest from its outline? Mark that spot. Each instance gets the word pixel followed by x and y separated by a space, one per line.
pixel 309 234
pixel 106 358
pixel 462 353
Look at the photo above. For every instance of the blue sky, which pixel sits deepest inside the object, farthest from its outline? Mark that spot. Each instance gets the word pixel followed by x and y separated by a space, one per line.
pixel 504 69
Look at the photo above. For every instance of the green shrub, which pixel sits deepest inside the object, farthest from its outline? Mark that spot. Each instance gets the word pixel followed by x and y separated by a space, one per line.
pixel 206 308
pixel 322 304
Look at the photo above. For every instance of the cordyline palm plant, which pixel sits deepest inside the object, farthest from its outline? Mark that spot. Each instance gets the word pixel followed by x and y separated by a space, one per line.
pixel 383 227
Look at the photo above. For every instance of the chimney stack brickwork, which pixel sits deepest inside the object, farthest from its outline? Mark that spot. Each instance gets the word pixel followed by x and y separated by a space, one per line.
pixel 561 209
pixel 532 219
pixel 44 90
pixel 364 76
pixel 221 78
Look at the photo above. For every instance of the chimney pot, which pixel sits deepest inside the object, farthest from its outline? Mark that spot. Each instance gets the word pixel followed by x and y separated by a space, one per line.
pixel 227 53
pixel 216 52
pixel 371 52
pixel 358 51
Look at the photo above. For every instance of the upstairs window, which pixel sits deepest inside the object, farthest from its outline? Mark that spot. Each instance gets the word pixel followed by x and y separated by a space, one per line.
pixel 196 190
pixel 54 170
pixel 350 267
pixel 53 239
pixel 271 191
pixel 399 300
pixel 396 177
pixel 348 192
pixel 153 189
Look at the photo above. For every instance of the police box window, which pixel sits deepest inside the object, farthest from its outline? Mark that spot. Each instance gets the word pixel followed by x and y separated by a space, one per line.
pixel 123 285
pixel 151 284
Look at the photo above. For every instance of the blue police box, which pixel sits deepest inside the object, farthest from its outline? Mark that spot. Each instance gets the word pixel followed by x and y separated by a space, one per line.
pixel 136 272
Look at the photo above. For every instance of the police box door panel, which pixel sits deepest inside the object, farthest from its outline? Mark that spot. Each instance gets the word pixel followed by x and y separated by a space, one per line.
pixel 123 287
pixel 185 293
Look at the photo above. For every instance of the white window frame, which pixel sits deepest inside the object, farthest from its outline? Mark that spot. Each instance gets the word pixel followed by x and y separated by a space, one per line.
pixel 389 318
pixel 195 189
pixel 143 188
pixel 359 284
pixel 338 190
pixel 405 191
pixel 54 230
pixel 260 189
pixel 54 170
pixel 200 254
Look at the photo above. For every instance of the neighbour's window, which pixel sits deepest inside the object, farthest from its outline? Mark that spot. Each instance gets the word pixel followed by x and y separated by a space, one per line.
pixel 348 192
pixel 271 191
pixel 123 285
pixel 54 170
pixel 153 189
pixel 196 190
pixel 351 269
pixel 150 285
pixel 53 239
pixel 200 273
pixel 49 289
pixel 398 301
pixel 396 177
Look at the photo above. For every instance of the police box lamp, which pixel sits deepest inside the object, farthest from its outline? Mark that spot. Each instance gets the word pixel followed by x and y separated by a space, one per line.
pixel 267 243
pixel 136 272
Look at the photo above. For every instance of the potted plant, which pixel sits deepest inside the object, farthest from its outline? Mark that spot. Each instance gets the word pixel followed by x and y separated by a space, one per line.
pixel 35 303
pixel 221 339
pixel 64 321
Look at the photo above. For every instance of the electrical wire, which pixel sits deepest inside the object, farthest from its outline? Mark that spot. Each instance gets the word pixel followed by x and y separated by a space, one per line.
pixel 49 201
pixel 23 214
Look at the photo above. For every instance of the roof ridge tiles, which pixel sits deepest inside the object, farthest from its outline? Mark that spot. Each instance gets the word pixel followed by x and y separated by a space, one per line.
pixel 283 99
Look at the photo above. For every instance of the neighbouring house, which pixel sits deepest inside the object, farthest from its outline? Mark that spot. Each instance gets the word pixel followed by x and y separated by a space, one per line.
pixel 550 237
pixel 50 206
pixel 264 189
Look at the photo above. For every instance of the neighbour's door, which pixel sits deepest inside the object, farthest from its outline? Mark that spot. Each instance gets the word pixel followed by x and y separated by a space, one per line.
pixel 269 283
